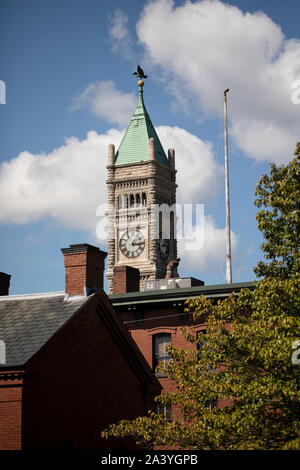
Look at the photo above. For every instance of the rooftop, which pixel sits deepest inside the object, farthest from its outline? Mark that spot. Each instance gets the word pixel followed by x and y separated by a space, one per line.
pixel 178 294
pixel 134 147
pixel 28 321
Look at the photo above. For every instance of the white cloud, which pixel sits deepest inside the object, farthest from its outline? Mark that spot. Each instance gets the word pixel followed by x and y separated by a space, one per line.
pixel 211 254
pixel 199 176
pixel 119 33
pixel 106 101
pixel 208 46
pixel 68 184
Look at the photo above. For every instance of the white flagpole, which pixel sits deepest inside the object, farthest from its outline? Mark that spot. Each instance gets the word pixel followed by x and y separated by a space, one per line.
pixel 227 203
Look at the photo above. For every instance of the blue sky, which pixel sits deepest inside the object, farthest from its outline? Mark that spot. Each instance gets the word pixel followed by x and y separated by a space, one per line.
pixel 68 69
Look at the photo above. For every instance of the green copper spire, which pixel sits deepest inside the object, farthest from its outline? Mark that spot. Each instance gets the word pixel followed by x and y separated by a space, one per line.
pixel 135 144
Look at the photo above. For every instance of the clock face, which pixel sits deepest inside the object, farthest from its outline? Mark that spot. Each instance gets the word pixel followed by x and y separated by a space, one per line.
pixel 163 247
pixel 132 243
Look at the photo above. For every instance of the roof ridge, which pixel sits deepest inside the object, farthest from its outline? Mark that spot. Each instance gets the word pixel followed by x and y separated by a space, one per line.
pixel 32 296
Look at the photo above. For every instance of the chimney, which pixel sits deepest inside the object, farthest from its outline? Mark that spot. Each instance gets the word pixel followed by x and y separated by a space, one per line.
pixel 84 267
pixel 4 283
pixel 126 279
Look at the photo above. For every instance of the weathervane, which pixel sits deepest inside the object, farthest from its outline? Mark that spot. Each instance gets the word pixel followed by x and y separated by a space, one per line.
pixel 140 73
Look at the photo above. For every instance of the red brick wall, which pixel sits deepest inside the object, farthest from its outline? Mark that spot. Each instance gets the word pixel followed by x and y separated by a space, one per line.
pixel 10 411
pixel 126 279
pixel 80 382
pixel 155 321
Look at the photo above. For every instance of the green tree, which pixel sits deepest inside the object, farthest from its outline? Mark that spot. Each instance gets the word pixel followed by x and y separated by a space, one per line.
pixel 279 219
pixel 249 364
pixel 245 359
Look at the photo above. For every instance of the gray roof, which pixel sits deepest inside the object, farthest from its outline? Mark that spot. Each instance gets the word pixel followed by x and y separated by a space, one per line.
pixel 27 322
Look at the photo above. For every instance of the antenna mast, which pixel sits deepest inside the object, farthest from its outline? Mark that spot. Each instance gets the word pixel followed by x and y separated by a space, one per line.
pixel 227 203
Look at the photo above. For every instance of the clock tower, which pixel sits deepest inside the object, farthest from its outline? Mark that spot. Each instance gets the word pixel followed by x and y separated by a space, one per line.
pixel 141 199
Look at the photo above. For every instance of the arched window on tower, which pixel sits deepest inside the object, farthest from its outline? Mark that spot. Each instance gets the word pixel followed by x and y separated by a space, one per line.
pixel 144 199
pixel 138 200
pixel 160 223
pixel 172 227
pixel 131 200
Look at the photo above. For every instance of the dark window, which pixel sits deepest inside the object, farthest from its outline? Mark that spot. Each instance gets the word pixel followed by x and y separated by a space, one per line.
pixel 165 410
pixel 124 202
pixel 144 199
pixel 160 355
pixel 121 202
pixel 200 343
pixel 211 404
pixel 172 227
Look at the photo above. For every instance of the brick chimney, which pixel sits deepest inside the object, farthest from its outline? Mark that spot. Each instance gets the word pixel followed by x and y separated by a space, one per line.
pixel 4 283
pixel 126 279
pixel 84 268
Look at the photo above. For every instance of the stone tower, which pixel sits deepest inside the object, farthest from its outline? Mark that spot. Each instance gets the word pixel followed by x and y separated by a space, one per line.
pixel 141 193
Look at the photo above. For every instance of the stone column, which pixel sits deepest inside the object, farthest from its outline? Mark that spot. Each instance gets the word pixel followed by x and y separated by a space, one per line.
pixel 111 215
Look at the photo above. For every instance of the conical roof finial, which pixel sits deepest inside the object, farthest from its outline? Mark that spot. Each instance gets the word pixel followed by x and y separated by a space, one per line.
pixel 134 147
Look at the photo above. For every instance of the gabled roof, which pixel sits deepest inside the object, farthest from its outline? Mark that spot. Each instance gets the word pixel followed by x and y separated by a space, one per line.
pixel 134 147
pixel 27 322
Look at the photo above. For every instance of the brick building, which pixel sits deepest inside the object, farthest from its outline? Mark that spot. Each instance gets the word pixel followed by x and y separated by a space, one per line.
pixel 78 360
pixel 154 319
pixel 144 285
pixel 70 368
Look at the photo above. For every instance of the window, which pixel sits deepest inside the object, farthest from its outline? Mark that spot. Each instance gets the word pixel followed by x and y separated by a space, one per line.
pixel 144 199
pixel 172 226
pixel 165 410
pixel 123 202
pixel 200 345
pixel 120 202
pixel 160 355
pixel 210 404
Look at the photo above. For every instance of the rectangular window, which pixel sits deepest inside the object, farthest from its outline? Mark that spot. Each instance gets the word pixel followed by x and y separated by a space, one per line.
pixel 165 410
pixel 200 345
pixel 160 355
pixel 210 404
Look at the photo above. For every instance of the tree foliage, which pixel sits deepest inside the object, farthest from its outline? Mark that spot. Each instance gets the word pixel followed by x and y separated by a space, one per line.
pixel 245 358
pixel 245 363
pixel 279 219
